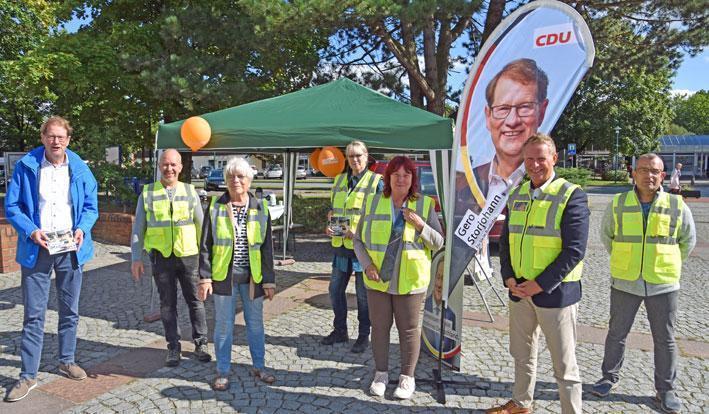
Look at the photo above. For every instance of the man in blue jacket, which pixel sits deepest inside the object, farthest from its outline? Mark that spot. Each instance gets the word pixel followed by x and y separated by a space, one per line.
pixel 52 190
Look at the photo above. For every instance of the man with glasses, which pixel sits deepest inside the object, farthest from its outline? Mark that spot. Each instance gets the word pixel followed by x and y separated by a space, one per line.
pixel 349 193
pixel 168 220
pixel 52 192
pixel 648 233
pixel 516 104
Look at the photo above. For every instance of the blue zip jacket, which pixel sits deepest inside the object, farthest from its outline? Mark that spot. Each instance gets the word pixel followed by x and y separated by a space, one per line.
pixel 22 204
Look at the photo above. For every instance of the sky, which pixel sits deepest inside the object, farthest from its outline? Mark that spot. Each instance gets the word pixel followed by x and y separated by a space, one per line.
pixel 693 75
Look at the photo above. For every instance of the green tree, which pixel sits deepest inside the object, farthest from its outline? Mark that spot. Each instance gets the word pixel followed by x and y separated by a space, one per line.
pixel 692 113
pixel 411 42
pixel 134 66
pixel 25 73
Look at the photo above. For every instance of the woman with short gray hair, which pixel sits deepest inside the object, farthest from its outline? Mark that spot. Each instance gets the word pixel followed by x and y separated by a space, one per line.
pixel 236 261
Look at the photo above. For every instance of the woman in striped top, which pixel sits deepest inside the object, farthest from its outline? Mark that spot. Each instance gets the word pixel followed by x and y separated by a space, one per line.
pixel 227 271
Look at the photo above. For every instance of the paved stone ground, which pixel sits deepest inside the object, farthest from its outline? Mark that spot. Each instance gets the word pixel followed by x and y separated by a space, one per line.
pixel 124 355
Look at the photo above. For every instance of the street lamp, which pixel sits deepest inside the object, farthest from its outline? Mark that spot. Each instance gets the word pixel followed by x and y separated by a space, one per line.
pixel 615 164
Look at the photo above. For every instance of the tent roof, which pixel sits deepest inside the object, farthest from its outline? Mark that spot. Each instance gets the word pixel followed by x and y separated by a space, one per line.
pixel 331 114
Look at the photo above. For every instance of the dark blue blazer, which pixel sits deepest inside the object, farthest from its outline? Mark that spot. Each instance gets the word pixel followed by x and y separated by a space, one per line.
pixel 574 235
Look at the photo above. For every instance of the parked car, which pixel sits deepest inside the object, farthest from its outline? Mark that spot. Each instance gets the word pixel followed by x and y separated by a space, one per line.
pixel 215 181
pixel 275 171
pixel 300 173
pixel 204 171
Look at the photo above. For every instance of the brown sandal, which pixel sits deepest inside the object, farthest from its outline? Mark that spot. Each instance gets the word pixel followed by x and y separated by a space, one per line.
pixel 263 376
pixel 220 383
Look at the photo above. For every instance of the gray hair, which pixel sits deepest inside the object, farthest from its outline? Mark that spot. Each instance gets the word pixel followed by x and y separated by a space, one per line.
pixel 650 156
pixel 237 165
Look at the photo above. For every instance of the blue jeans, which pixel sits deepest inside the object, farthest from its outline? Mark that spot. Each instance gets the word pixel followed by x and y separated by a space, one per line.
pixel 662 315
pixel 224 313
pixel 338 298
pixel 35 295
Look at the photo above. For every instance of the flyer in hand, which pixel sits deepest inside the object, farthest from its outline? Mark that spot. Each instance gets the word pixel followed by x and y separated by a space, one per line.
pixel 339 225
pixel 61 241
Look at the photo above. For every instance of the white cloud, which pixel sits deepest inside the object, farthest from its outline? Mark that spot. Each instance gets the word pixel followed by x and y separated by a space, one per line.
pixel 685 92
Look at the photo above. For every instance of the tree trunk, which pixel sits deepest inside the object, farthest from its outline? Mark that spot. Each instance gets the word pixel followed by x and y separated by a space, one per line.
pixel 494 17
pixel 408 37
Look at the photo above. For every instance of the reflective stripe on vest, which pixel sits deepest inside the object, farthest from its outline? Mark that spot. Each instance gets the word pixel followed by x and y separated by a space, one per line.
pixel 223 238
pixel 347 203
pixel 535 228
pixel 652 250
pixel 170 226
pixel 415 266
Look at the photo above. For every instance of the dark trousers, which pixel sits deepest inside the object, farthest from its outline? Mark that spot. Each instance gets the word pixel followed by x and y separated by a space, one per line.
pixel 662 314
pixel 36 284
pixel 338 298
pixel 167 272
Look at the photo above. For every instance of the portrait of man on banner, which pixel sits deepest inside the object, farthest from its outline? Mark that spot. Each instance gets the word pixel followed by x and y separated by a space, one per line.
pixel 431 337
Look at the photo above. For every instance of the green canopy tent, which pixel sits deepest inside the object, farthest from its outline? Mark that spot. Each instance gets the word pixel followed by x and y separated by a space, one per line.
pixel 331 114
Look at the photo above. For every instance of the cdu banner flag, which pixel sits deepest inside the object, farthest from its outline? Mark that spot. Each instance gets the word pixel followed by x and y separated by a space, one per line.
pixel 522 78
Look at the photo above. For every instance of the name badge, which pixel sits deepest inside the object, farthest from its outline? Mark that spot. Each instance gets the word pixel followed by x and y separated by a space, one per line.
pixel 520 206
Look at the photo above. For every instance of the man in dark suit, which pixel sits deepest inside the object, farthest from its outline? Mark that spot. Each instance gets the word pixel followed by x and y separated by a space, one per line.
pixel 541 251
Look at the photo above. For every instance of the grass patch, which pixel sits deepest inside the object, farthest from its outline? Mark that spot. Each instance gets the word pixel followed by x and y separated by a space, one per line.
pixel 606 183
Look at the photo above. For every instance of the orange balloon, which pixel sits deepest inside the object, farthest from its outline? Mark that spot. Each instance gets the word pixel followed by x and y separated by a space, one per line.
pixel 195 132
pixel 331 161
pixel 313 158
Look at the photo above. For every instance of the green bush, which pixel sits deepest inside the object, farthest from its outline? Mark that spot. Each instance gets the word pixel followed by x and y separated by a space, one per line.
pixel 111 180
pixel 311 213
pixel 578 176
pixel 615 175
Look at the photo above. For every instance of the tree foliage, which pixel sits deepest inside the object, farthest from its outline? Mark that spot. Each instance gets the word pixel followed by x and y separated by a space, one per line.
pixel 406 47
pixel 692 113
pixel 24 73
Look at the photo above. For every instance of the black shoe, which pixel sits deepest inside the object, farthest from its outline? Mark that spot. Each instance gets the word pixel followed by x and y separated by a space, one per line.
pixel 334 338
pixel 173 357
pixel 360 345
pixel 201 352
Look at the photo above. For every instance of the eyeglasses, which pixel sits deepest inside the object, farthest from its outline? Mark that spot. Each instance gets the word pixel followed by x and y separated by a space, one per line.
pixel 239 177
pixel 523 110
pixel 355 156
pixel 645 171
pixel 58 138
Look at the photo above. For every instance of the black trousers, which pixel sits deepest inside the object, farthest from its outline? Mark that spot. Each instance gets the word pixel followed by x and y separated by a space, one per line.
pixel 167 272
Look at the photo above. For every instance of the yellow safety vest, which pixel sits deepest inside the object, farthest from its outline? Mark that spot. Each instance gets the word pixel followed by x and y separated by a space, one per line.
pixel 170 226
pixel 652 250
pixel 347 203
pixel 415 266
pixel 535 228
pixel 223 235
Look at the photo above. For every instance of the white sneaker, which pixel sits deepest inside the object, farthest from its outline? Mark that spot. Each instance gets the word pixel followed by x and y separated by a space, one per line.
pixel 406 388
pixel 379 385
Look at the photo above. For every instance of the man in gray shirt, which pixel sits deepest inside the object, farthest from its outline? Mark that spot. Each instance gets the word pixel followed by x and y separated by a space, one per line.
pixel 168 222
pixel 649 233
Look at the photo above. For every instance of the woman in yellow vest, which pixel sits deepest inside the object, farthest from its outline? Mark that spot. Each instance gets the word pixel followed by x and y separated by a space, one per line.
pixel 394 242
pixel 236 261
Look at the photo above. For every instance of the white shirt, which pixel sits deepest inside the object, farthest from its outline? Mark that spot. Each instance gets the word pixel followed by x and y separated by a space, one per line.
pixel 674 179
pixel 497 184
pixel 54 196
pixel 537 192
